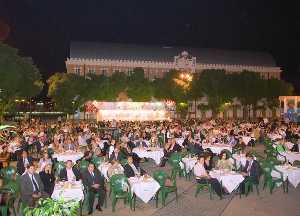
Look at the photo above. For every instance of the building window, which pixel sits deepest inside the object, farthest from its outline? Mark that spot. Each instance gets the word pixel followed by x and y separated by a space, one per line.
pixel 103 72
pixel 77 70
pixel 91 71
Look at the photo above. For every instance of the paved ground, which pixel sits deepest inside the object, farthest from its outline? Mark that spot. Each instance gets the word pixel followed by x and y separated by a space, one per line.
pixel 277 204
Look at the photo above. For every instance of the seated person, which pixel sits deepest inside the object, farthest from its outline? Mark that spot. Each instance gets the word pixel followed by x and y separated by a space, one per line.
pixel 44 161
pixel 48 179
pixel 32 188
pixel 224 162
pixel 140 143
pixel 170 147
pixel 94 182
pixel 23 162
pixel 251 170
pixel 115 168
pixel 203 177
pixel 130 170
pixel 208 162
pixel 4 157
pixel 115 155
pixel 69 173
pixel 69 146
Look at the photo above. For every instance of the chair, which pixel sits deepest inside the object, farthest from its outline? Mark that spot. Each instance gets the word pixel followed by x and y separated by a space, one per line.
pixel 83 165
pixel 270 181
pixel 160 176
pixel 120 189
pixel 204 186
pixel 296 163
pixel 175 160
pixel 58 167
pixel 7 173
pixel 97 161
pixel 250 182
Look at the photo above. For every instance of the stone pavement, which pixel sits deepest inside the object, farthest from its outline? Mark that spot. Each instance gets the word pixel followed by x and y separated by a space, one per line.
pixel 265 204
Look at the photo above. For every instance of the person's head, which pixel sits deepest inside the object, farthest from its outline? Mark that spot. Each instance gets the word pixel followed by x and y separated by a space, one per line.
pixel 207 158
pixel 45 155
pixel 48 168
pixel 250 157
pixel 130 159
pixel 117 150
pixel 201 159
pixel 223 156
pixel 69 164
pixel 24 154
pixel 91 167
pixel 30 168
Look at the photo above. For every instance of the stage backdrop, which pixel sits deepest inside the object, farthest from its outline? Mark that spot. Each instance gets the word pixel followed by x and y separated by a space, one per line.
pixel 130 111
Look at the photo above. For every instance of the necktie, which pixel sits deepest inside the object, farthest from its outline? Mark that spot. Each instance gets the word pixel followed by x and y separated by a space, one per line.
pixel 93 177
pixel 35 186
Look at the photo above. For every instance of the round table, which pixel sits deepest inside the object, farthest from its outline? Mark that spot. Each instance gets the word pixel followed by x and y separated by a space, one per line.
pixel 73 191
pixel 155 154
pixel 230 179
pixel 217 148
pixel 73 156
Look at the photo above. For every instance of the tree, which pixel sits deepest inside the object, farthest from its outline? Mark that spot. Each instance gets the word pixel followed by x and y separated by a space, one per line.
pixel 215 86
pixel 139 88
pixel 20 78
pixel 68 91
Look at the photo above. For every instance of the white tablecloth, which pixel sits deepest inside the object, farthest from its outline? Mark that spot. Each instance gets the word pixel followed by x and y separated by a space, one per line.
pixel 291 156
pixel 73 193
pixel 103 169
pixel 230 180
pixel 189 163
pixel 143 189
pixel 179 141
pixel 68 156
pixel 292 173
pixel 246 139
pixel 217 148
pixel 156 155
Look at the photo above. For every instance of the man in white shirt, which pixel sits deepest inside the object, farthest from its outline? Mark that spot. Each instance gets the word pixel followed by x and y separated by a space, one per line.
pixel 69 173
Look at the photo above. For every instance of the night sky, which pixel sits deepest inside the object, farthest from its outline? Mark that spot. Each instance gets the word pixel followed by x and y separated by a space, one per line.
pixel 43 29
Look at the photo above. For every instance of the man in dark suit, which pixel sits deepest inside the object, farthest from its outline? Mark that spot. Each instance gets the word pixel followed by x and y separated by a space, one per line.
pixel 94 184
pixel 130 170
pixel 69 173
pixel 23 161
pixel 32 187
pixel 251 170
pixel 115 155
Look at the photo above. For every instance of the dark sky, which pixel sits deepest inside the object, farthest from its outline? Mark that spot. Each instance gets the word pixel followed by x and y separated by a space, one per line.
pixel 43 29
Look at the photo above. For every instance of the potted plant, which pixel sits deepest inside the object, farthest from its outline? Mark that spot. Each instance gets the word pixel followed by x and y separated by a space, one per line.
pixel 51 207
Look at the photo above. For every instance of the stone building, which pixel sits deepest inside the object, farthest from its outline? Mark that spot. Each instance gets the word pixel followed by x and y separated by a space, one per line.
pixel 107 58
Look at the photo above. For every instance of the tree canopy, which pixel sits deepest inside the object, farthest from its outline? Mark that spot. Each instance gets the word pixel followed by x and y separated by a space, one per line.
pixel 20 78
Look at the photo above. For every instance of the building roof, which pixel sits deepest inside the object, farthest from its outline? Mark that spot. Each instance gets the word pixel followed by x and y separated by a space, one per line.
pixel 115 51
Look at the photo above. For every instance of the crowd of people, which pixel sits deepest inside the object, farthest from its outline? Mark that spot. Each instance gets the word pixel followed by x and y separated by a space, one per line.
pixel 33 145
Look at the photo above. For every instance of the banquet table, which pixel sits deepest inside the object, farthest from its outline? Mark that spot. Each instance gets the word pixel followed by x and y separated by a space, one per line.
pixel 289 172
pixel 291 156
pixel 230 179
pixel 189 163
pixel 143 188
pixel 156 153
pixel 103 168
pixel 73 156
pixel 247 139
pixel 217 148
pixel 68 191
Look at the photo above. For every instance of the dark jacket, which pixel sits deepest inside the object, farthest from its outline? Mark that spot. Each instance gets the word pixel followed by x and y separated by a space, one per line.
pixel 63 174
pixel 113 156
pixel 48 181
pixel 88 180
pixel 27 188
pixel 254 170
pixel 20 165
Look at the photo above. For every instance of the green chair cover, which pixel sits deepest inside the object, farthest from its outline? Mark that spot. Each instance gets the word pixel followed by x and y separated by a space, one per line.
pixel 161 177
pixel 120 189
